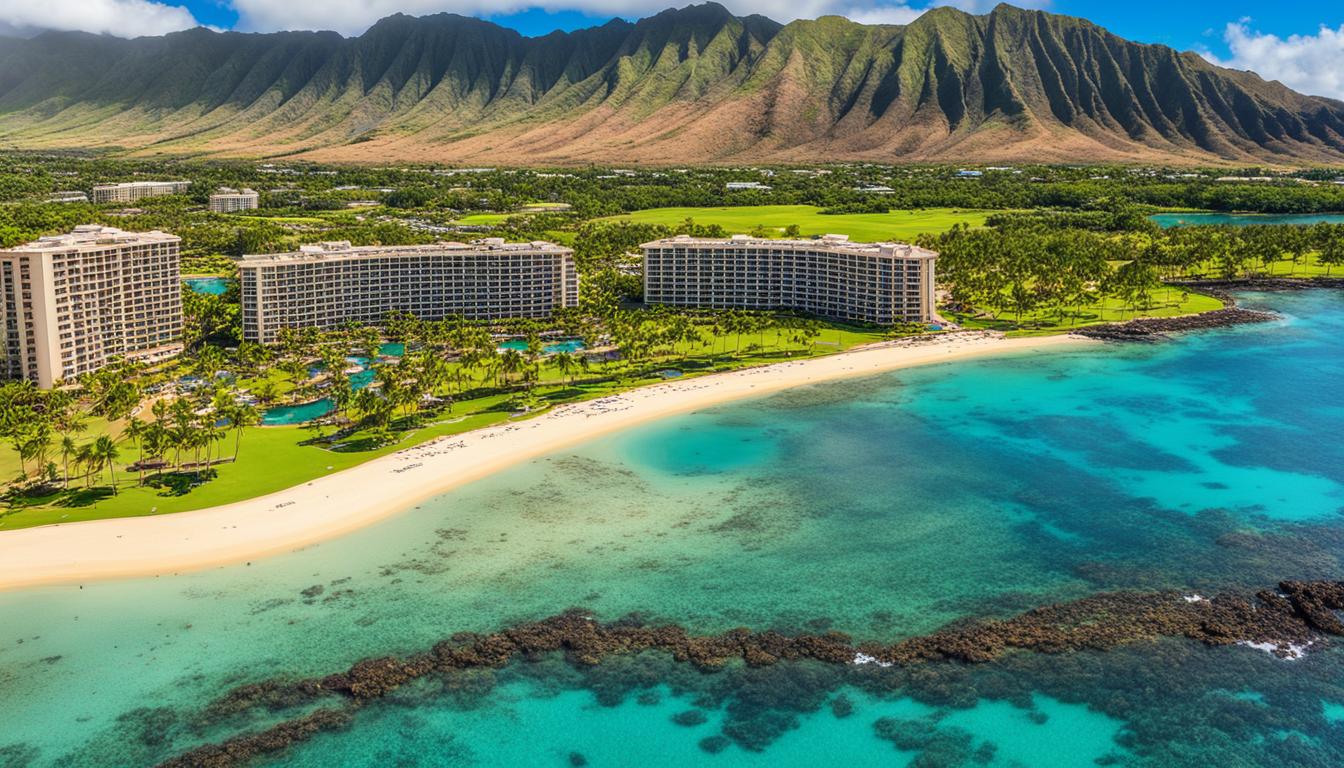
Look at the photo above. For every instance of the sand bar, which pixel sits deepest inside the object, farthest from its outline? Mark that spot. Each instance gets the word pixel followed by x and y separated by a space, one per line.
pixel 327 507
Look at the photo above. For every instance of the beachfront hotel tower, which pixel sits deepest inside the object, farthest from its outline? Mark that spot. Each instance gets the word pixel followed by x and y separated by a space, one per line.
pixel 70 303
pixel 131 191
pixel 327 285
pixel 881 283
pixel 228 200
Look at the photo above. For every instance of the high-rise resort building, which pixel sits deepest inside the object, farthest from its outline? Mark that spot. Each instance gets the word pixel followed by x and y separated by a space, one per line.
pixel 72 302
pixel 329 284
pixel 228 200
pixel 68 197
pixel 135 190
pixel 881 283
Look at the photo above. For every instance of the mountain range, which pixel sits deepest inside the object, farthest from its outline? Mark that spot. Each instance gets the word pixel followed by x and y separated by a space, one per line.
pixel 692 85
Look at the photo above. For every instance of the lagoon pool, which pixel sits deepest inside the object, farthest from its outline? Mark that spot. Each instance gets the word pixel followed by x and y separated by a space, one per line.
pixel 1169 220
pixel 565 345
pixel 286 415
pixel 214 286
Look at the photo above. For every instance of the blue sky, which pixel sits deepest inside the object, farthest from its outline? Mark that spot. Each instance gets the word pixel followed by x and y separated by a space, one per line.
pixel 1300 42
pixel 1184 24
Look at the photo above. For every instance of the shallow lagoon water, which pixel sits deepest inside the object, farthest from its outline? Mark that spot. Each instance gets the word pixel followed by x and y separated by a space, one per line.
pixel 214 286
pixel 883 508
pixel 1168 220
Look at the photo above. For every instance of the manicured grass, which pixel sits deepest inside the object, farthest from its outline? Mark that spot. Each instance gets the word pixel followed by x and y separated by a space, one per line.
pixel 1309 266
pixel 1165 303
pixel 864 227
pixel 275 458
pixel 284 219
pixel 483 219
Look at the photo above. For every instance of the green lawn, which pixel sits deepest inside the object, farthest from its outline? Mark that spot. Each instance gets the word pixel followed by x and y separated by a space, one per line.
pixel 483 219
pixel 1165 303
pixel 275 458
pixel 863 227
pixel 1309 266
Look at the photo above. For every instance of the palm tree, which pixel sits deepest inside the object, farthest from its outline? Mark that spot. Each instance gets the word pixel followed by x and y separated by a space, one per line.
pixel 105 453
pixel 240 418
pixel 564 363
pixel 135 431
pixel 511 361
pixel 68 449
pixel 84 456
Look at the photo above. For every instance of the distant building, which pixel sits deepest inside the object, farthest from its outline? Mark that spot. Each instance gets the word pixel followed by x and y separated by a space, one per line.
pixel 72 302
pixel 136 190
pixel 964 174
pixel 329 284
pixel 874 189
pixel 68 197
pixel 228 200
pixel 736 185
pixel 879 283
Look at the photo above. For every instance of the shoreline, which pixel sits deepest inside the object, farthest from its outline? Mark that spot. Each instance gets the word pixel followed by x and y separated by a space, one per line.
pixel 331 506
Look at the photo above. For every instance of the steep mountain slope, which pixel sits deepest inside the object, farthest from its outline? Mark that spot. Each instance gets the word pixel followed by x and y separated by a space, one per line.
pixel 691 85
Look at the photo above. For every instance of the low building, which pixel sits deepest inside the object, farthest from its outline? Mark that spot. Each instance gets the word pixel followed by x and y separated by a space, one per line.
pixel 881 283
pixel 71 303
pixel 327 285
pixel 228 200
pixel 135 190
pixel 741 185
pixel 68 197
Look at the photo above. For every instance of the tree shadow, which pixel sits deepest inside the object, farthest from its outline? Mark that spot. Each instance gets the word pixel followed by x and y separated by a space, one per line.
pixel 83 497
pixel 179 483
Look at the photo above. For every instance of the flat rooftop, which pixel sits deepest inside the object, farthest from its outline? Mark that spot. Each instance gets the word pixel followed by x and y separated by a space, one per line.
pixel 342 249
pixel 828 243
pixel 138 184
pixel 91 235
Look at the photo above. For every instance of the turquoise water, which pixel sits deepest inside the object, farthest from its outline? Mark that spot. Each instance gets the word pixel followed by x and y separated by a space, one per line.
pixel 568 345
pixel 215 286
pixel 1167 220
pixel 285 415
pixel 884 508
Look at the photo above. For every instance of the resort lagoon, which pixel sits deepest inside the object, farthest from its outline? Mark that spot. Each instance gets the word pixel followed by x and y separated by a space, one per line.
pixel 548 348
pixel 302 413
pixel 214 286
pixel 1208 218
pixel 882 508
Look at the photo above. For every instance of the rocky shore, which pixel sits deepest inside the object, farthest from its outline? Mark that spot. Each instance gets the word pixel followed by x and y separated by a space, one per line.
pixel 1221 288
pixel 1284 621
pixel 1151 329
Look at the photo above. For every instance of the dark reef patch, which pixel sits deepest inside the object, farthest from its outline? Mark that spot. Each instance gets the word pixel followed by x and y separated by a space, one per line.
pixel 766 703
pixel 1148 329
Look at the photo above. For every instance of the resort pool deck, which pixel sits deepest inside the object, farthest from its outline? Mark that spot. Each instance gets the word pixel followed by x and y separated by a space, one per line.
pixel 1208 218
pixel 549 348
pixel 287 415
pixel 214 286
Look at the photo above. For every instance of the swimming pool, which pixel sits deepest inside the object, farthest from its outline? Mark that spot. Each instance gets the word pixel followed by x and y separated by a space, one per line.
pixel 214 286
pixel 550 348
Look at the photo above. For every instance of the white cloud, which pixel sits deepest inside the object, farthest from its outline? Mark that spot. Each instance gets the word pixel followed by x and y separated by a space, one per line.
pixel 1308 63
pixel 354 16
pixel 124 18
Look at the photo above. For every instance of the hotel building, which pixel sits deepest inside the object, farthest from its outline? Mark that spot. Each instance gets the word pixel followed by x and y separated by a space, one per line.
pixel 228 200
pixel 72 302
pixel 327 285
pixel 135 190
pixel 880 283
pixel 68 197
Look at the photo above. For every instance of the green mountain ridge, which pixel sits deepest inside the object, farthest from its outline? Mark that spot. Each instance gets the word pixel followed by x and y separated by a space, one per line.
pixel 695 84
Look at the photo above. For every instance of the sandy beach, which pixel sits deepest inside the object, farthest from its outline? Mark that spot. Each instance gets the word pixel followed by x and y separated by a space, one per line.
pixel 331 506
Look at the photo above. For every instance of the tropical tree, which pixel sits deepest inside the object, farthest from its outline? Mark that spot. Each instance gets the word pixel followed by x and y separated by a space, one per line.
pixel 104 454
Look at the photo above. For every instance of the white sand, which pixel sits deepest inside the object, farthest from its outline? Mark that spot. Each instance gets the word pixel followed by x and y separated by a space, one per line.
pixel 341 502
